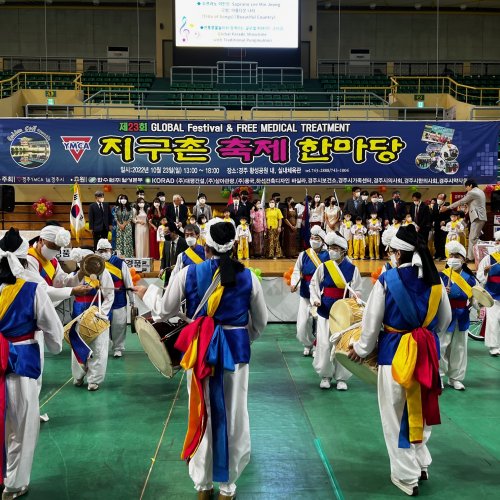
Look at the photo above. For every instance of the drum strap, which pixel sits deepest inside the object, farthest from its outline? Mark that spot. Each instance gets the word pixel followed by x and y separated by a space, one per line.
pixel 459 281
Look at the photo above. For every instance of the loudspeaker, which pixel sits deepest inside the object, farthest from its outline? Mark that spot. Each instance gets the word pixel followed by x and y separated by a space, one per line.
pixel 495 201
pixel 7 198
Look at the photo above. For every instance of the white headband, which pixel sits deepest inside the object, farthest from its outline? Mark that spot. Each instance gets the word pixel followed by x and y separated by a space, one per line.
pixel 456 247
pixel 388 234
pixel 77 254
pixel 56 234
pixel 398 244
pixel 210 241
pixel 317 231
pixel 104 244
pixel 335 239
pixel 497 236
pixel 13 258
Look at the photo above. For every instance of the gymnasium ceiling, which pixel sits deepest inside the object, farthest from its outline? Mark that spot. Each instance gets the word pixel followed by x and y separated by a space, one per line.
pixel 351 5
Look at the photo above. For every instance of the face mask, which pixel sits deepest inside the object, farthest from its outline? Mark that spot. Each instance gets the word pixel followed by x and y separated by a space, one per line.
pixel 105 255
pixel 416 202
pixel 374 216
pixel 257 206
pixel 123 202
pixel 454 263
pixel 440 202
pixel 203 221
pixel 394 261
pixel 397 198
pixel 190 241
pixel 335 254
pixel 381 200
pixel 316 199
pixel 315 244
pixel 364 197
pixel 277 200
pixel 162 198
pixel 271 205
pixel 374 200
pixel 100 200
pixel 141 205
pixel 202 201
pixel 244 198
pixel 156 205
pixel 48 253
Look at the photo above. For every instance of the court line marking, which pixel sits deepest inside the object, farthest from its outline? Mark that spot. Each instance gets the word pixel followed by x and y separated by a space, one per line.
pixel 167 421
pixel 53 395
pixel 317 442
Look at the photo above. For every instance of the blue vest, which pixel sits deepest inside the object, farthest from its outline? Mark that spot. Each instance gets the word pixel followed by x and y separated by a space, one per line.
pixel 198 250
pixel 308 269
pixel 493 288
pixel 461 314
pixel 19 321
pixel 347 269
pixel 419 293
pixel 82 303
pixel 233 308
pixel 120 295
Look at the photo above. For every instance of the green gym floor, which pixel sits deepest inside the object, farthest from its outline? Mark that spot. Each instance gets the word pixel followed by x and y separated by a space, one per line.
pixel 124 441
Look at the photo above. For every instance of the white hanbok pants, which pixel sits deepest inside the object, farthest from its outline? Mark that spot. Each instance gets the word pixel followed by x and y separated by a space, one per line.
pixel 96 365
pixel 324 366
pixel 41 344
pixel 453 360
pixel 238 433
pixel 21 430
pixel 305 323
pixel 406 463
pixel 492 330
pixel 119 328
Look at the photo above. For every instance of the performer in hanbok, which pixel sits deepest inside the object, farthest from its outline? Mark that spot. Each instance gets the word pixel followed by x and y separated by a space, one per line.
pixel 488 274
pixel 95 367
pixel 25 307
pixel 122 282
pixel 458 280
pixel 328 285
pixel 194 254
pixel 305 266
pixel 406 309
pixel 235 314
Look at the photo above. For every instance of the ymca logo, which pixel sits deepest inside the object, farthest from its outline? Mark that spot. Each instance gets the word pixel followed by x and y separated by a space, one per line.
pixel 76 145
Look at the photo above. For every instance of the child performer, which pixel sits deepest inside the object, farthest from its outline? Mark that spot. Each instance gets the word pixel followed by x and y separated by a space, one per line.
pixel 374 228
pixel 458 280
pixel 305 266
pixel 455 228
pixel 358 235
pixel 345 232
pixel 243 237
pixel 327 286
pixel 202 223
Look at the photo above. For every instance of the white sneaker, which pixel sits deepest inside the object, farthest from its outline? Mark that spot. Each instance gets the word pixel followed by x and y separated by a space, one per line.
pixel 341 385
pixel 117 354
pixel 8 495
pixel 78 382
pixel 325 383
pixel 494 351
pixel 44 418
pixel 307 351
pixel 410 489
pixel 314 352
pixel 93 387
pixel 456 384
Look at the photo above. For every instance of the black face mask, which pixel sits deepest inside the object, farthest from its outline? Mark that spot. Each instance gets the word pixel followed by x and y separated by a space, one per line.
pixel 397 198
pixel 277 200
pixel 244 198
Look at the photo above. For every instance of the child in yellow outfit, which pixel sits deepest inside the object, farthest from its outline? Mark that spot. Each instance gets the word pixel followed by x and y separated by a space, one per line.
pixel 202 223
pixel 243 237
pixel 374 226
pixel 455 229
pixel 358 235
pixel 345 231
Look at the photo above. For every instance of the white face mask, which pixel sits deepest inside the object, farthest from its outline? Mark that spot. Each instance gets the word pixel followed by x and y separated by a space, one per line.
pixel 191 241
pixel 156 205
pixel 374 200
pixel 394 260
pixel 335 254
pixel 416 202
pixel 105 255
pixel 48 253
pixel 162 198
pixel 374 216
pixel 141 205
pixel 123 201
pixel 315 244
pixel 440 202
pixel 381 200
pixel 317 198
pixel 271 205
pixel 202 201
pixel 455 263
pixel 364 197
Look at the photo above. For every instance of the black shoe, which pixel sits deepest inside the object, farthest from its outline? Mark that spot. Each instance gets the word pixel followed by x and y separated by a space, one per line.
pixel 424 476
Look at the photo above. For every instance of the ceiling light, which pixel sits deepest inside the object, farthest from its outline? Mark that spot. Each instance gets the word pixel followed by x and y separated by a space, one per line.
pixel 463 6
pixel 418 6
pixel 95 2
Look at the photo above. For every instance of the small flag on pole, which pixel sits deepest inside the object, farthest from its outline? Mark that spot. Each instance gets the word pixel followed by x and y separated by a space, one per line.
pixel 76 216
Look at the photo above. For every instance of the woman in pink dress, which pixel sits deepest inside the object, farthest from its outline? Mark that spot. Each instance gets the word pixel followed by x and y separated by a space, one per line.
pixel 258 229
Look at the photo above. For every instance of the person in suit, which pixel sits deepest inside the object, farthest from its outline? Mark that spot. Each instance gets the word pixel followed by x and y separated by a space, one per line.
pixel 173 247
pixel 202 208
pixel 355 206
pixel 394 208
pixel 237 210
pixel 374 206
pixel 177 214
pixel 99 218
pixel 420 215
pixel 476 200
pixel 439 219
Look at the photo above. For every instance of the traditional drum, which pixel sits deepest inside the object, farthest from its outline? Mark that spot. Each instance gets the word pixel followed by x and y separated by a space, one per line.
pixel 482 296
pixel 344 313
pixel 157 340
pixel 91 325
pixel 367 370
